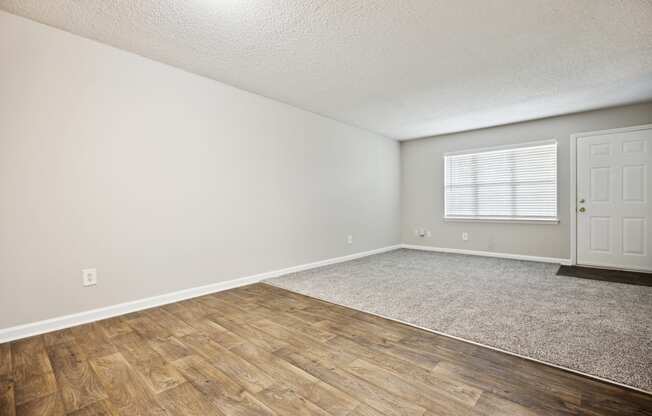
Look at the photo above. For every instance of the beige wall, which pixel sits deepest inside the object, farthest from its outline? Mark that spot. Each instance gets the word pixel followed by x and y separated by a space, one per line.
pixel 164 180
pixel 422 200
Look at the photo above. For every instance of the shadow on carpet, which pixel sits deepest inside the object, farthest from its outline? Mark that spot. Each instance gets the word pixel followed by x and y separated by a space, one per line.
pixel 599 328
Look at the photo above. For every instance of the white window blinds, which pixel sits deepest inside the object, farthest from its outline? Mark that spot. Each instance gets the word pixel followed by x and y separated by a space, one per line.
pixel 515 183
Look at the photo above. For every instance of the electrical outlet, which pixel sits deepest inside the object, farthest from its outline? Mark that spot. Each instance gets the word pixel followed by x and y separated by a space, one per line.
pixel 89 277
pixel 349 239
pixel 465 236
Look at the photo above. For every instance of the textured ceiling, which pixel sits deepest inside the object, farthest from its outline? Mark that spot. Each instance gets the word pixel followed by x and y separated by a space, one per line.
pixel 404 69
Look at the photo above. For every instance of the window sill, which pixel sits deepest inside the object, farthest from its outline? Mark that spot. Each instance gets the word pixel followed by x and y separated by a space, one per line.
pixel 544 221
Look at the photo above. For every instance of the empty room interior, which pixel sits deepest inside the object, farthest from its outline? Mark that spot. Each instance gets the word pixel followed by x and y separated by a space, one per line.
pixel 329 208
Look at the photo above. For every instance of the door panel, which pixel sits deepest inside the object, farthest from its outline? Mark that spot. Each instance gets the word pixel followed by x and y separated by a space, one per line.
pixel 613 192
pixel 634 146
pixel 634 183
pixel 600 184
pixel 634 236
pixel 600 230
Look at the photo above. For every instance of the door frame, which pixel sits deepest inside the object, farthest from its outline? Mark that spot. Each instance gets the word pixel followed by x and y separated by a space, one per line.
pixel 574 138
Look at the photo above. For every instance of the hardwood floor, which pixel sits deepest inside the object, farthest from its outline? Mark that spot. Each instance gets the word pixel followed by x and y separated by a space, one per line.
pixel 259 350
pixel 607 275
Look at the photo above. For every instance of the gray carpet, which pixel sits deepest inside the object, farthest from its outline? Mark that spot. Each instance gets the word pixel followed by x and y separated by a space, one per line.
pixel 599 328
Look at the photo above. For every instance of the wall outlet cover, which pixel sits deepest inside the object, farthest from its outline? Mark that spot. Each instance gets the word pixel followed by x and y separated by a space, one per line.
pixel 89 277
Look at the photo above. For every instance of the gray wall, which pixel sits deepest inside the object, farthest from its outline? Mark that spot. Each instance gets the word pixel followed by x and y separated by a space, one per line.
pixel 164 180
pixel 422 200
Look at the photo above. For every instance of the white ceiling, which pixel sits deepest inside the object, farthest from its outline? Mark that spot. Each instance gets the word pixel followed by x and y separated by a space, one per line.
pixel 404 69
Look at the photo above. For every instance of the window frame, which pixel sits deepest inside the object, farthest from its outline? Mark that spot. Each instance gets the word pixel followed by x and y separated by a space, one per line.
pixel 500 219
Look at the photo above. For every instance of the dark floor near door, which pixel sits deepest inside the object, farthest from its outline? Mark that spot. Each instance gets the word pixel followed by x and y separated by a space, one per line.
pixel 260 350
pixel 607 275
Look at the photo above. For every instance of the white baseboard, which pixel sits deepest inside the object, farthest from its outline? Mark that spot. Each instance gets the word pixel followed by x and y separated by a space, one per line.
pixel 61 322
pixel 555 260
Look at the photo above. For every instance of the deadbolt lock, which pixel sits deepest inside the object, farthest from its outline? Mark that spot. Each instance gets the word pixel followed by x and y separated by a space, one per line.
pixel 582 201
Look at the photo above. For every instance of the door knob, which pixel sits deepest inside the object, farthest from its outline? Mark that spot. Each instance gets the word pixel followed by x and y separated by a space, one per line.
pixel 582 201
pixel 582 209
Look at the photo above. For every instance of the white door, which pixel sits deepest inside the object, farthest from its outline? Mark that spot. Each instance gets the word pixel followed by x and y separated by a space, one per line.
pixel 614 188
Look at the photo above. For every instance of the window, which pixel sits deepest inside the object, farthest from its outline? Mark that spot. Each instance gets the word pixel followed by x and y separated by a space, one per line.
pixel 505 183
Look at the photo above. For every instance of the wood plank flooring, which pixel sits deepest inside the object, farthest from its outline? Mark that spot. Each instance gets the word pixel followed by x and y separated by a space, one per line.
pixel 259 350
pixel 607 275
